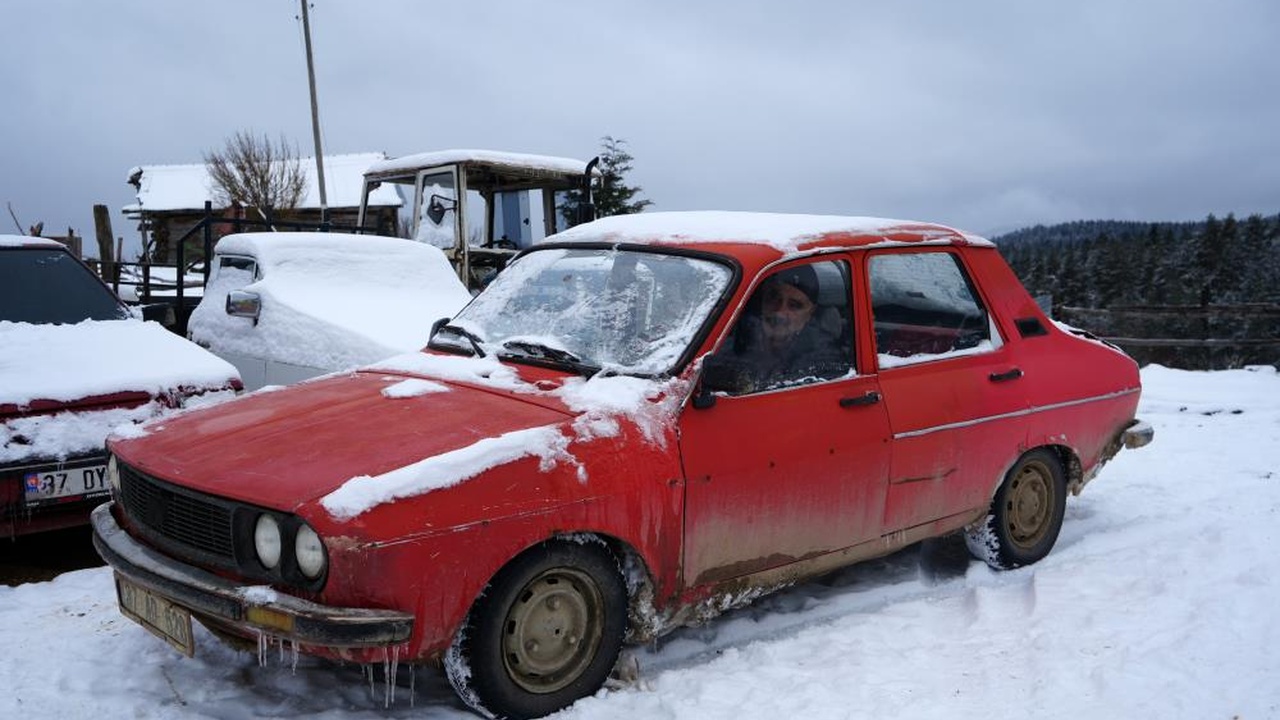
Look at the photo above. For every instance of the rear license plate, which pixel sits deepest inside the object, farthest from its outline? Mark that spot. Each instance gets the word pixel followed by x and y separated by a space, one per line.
pixel 164 619
pixel 47 486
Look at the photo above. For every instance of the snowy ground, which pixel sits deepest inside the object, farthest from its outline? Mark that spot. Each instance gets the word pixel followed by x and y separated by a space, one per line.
pixel 1161 600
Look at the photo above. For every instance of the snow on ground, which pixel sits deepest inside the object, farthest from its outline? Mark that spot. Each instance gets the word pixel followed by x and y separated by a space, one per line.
pixel 1161 600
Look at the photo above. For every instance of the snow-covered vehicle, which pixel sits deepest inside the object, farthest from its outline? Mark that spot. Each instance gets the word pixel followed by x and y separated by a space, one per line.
pixel 638 424
pixel 284 307
pixel 74 363
pixel 479 206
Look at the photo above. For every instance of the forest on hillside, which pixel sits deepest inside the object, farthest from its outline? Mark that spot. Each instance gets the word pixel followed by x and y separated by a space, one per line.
pixel 1192 294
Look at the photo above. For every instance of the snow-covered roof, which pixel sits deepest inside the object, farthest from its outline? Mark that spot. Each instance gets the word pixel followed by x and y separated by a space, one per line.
pixel 187 187
pixel 494 157
pixel 785 232
pixel 27 241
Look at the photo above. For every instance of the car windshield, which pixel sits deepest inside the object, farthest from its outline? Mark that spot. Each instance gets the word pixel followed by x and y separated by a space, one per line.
pixel 48 285
pixel 625 311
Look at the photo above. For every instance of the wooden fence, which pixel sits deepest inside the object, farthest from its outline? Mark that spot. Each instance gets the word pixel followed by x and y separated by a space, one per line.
pixel 1191 337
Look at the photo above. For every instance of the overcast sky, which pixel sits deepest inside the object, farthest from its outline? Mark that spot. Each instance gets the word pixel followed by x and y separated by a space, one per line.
pixel 988 116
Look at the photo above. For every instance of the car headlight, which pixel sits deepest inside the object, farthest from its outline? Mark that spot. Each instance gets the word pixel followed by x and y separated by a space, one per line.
pixel 266 540
pixel 309 551
pixel 113 474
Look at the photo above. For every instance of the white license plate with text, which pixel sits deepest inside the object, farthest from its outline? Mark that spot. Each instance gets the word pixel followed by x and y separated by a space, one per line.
pixel 44 486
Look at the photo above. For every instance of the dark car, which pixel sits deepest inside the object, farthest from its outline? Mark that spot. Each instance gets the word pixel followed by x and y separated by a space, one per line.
pixel 74 364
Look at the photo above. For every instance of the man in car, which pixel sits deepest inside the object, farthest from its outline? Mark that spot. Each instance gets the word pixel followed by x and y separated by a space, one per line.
pixel 780 340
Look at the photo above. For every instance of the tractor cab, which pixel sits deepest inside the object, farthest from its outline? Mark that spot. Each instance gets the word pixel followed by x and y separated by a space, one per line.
pixel 480 207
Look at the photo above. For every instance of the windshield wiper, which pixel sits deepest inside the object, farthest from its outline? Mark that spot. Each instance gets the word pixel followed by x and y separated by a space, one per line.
pixel 467 335
pixel 546 352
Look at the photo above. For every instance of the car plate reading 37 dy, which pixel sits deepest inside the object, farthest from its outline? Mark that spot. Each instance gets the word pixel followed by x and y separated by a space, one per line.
pixel 164 619
pixel 51 485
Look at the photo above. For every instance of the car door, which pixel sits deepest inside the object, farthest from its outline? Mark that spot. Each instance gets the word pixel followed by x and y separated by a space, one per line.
pixel 950 387
pixel 788 471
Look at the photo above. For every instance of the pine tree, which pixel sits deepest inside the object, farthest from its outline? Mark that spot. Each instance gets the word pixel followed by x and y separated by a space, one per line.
pixel 612 195
pixel 1252 257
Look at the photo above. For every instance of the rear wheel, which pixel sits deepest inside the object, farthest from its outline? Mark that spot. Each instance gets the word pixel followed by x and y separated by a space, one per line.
pixel 1026 513
pixel 545 632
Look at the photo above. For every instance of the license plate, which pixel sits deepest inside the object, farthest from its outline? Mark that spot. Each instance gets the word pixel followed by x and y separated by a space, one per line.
pixel 164 619
pixel 46 486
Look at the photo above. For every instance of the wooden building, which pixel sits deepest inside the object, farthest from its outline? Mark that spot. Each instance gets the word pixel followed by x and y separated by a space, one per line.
pixel 171 202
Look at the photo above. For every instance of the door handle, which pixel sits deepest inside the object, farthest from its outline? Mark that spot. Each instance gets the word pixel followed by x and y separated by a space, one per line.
pixel 1013 374
pixel 871 398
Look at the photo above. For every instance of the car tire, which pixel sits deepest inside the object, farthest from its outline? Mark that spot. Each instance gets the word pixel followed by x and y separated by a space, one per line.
pixel 545 632
pixel 1026 513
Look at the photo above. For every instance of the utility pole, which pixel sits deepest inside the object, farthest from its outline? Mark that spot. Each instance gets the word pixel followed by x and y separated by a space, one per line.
pixel 315 114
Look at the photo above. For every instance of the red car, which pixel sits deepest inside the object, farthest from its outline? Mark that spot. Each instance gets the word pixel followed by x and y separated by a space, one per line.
pixel 639 424
pixel 75 363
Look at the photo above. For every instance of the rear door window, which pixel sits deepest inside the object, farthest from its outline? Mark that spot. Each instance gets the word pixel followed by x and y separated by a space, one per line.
pixel 925 308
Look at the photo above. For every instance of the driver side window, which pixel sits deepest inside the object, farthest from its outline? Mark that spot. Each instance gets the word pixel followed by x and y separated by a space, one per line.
pixel 796 329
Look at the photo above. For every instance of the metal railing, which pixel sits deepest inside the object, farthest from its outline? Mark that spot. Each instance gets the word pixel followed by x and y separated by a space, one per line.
pixel 204 229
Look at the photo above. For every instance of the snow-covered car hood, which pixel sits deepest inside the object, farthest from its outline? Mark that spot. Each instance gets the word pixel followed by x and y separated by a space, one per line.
pixel 283 448
pixel 415 423
pixel 331 302
pixel 64 387
pixel 67 364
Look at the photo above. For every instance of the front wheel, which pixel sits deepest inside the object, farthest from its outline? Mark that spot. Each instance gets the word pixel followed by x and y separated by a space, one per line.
pixel 546 631
pixel 1025 516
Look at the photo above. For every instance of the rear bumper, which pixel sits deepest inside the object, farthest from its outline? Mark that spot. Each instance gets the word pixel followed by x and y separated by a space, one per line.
pixel 18 518
pixel 1137 435
pixel 240 607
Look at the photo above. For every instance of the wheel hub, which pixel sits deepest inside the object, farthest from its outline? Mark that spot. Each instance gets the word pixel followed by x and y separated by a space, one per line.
pixel 1030 504
pixel 552 630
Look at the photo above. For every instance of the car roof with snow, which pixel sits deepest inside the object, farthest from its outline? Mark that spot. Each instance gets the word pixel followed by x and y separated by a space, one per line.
pixel 786 233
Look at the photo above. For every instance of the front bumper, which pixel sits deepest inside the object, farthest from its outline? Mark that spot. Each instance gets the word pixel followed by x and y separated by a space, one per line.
pixel 236 605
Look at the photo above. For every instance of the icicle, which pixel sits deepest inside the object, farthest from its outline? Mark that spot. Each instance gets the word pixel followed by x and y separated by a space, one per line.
pixel 413 685
pixel 282 651
pixel 262 649
pixel 368 670
pixel 293 664
pixel 388 676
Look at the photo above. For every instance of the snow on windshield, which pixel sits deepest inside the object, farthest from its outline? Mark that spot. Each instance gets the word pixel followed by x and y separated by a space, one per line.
pixel 634 312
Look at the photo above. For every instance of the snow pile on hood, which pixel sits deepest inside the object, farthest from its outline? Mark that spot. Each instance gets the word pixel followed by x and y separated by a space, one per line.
pixel 69 433
pixel 600 404
pixel 66 363
pixel 330 302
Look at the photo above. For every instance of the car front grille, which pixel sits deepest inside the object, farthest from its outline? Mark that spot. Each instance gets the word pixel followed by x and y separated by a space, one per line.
pixel 191 524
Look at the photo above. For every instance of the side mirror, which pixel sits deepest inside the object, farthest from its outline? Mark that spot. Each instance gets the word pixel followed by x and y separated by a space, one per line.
pixel 435 327
pixel 722 375
pixel 436 208
pixel 244 304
